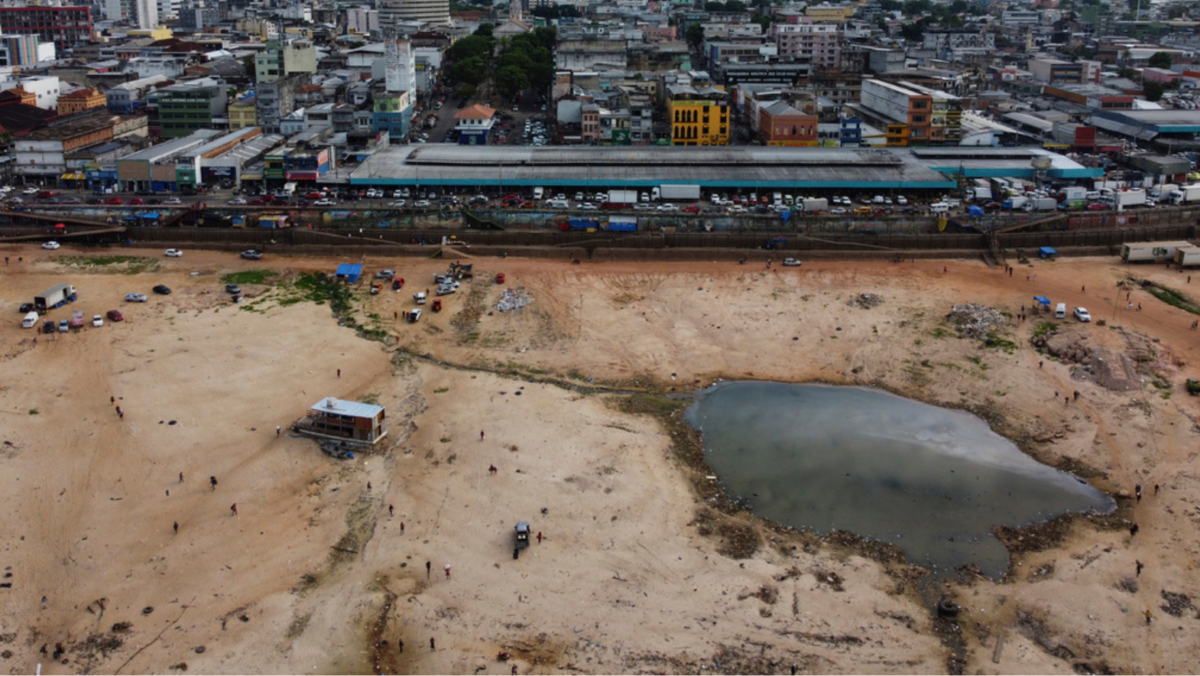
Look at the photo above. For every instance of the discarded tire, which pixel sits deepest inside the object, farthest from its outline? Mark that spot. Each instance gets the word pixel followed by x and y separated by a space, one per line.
pixel 948 608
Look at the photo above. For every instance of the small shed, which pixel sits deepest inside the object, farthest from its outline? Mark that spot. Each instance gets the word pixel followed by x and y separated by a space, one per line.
pixel 346 421
pixel 1047 252
pixel 349 272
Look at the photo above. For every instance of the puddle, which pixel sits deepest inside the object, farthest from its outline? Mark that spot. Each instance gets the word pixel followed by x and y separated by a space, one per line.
pixel 930 480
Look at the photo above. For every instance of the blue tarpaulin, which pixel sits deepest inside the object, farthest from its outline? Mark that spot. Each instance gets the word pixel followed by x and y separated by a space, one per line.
pixel 349 272
pixel 1047 252
pixel 975 211
pixel 1043 300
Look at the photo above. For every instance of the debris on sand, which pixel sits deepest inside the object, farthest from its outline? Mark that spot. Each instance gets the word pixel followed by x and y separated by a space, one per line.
pixel 513 299
pixel 866 301
pixel 1176 603
pixel 1120 372
pixel 976 321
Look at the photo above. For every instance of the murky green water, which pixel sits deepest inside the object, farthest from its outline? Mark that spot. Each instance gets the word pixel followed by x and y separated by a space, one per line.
pixel 930 480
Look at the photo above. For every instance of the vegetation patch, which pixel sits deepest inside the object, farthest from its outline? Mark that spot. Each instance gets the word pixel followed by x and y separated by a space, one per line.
pixel 128 265
pixel 1172 297
pixel 249 277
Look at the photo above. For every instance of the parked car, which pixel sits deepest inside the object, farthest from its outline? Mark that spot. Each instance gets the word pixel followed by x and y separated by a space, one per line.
pixel 64 326
pixel 51 245
pixel 233 288
pixel 27 308
pixel 252 254
pixel 413 315
pixel 114 316
pixel 114 200
pixel 1082 315
pixel 174 253
pixel 421 204
pixel 385 274
pixel 325 203
pixel 162 290
pixel 176 200
pixel 792 262
pixel 135 298
pixel 97 320
pixel 136 201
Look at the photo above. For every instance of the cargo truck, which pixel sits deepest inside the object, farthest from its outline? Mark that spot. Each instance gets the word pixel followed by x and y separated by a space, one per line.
pixel 1186 194
pixel 1041 204
pixel 1073 193
pixel 677 192
pixel 980 192
pixel 56 296
pixel 77 320
pixel 1158 191
pixel 622 224
pixel 1015 202
pixel 1128 198
pixel 1138 252
pixel 621 199
pixel 1187 256
pixel 812 205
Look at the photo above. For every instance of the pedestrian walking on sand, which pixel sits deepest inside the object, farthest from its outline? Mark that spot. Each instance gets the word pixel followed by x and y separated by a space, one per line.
pixel 120 414
pixel 1134 530
pixel 391 511
pixel 399 645
pixel 118 410
pixel 339 373
pixel 1139 307
pixel 428 566
pixel 1076 395
pixel 278 429
pixel 447 571
pixel 1066 401
pixel 177 528
pixel 1189 279
pixel 1083 289
pixel 1140 566
pixel 514 670
pixel 233 509
pixel 6 260
pixel 43 603
pixel 1149 617
pixel 181 477
pixel 491 469
pixel 481 435
pixel 1138 491
pixel 433 645
pixel 112 400
pixel 1040 364
pixel 402 528
pixel 1156 489
pixel 539 537
pixel 368 485
pixel 212 481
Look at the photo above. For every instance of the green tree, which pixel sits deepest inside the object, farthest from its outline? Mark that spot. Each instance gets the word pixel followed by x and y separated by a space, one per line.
pixel 485 29
pixel 471 71
pixel 714 6
pixel 1160 60
pixel 471 46
pixel 735 6
pixel 1153 91
pixel 912 31
pixel 510 81
pixel 890 5
pixel 1127 73
pixel 695 34
pixel 917 7
pixel 763 20
pixel 958 6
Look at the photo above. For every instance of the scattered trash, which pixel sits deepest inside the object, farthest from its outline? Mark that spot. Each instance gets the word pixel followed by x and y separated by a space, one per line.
pixel 513 299
pixel 866 301
pixel 976 321
pixel 200 649
pixel 147 610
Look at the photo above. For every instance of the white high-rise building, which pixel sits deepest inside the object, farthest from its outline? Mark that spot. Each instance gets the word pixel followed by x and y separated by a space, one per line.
pixel 168 9
pixel 433 12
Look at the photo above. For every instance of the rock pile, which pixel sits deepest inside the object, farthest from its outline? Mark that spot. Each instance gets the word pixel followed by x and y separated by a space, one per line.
pixel 976 321
pixel 513 299
pixel 866 301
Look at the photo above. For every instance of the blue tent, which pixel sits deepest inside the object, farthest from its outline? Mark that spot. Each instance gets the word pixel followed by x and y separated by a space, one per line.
pixel 349 272
pixel 1043 300
pixel 975 211
pixel 1047 252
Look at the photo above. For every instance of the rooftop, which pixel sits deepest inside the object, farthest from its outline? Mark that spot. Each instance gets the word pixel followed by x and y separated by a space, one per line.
pixel 330 405
pixel 475 112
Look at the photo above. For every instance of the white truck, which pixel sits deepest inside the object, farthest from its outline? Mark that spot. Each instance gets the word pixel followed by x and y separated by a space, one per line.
pixel 814 204
pixel 1015 202
pixel 1040 204
pixel 56 296
pixel 1139 252
pixel 621 198
pixel 1073 193
pixel 1128 198
pixel 677 192
pixel 1186 194
pixel 1158 191
pixel 980 192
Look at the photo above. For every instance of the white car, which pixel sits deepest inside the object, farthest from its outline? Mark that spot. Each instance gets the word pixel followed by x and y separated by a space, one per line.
pixel 1082 315
pixel 642 206
pixel 400 203
pixel 136 298
pixel 668 207
pixel 238 200
pixel 51 245
pixel 29 191
pixel 325 203
pixel 173 200
pixel 97 320
pixel 421 204
pixel 174 253
pixel 838 210
pixel 792 262
pixel 588 206
pixel 901 200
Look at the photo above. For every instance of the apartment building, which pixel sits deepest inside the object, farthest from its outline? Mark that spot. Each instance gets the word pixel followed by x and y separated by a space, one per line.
pixel 1056 71
pixel 64 26
pixel 699 117
pixel 818 44
pixel 190 106
pixel 912 114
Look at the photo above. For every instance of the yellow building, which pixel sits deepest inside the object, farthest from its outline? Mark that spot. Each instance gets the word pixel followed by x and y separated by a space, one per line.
pixel 159 33
pixel 828 12
pixel 80 100
pixel 243 114
pixel 698 122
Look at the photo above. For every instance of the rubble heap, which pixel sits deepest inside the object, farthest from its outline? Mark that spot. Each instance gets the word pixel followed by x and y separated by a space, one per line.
pixel 976 321
pixel 513 299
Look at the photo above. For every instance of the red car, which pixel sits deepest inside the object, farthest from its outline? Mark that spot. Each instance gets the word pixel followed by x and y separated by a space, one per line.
pixel 314 196
pixel 690 209
pixel 1096 206
pixel 258 202
pixel 114 316
pixel 44 194
pixel 499 277
pixel 136 201
pixel 114 200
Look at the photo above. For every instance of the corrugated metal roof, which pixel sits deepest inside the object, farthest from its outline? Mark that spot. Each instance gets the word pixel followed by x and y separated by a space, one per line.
pixel 351 408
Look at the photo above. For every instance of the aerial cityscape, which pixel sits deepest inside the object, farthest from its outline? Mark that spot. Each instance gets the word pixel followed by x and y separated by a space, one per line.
pixel 621 336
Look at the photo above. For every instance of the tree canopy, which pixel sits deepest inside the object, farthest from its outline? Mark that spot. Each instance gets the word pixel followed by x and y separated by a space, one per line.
pixel 1152 90
pixel 1160 60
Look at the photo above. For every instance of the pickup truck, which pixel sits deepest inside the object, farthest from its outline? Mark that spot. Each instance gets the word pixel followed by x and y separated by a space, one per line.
pixel 419 298
pixel 77 319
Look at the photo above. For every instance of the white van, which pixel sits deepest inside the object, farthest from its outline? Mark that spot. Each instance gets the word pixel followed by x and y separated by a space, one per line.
pixel 30 320
pixel 939 208
pixel 1060 311
pixel 538 192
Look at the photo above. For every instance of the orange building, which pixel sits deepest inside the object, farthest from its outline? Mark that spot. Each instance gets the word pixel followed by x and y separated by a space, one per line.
pixel 782 125
pixel 80 100
pixel 21 96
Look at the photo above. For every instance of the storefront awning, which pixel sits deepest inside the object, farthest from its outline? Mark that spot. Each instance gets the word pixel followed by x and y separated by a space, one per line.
pixel 74 177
